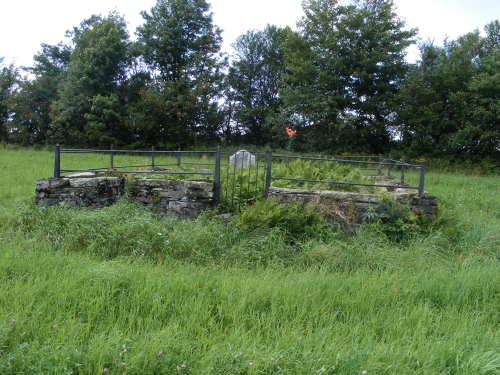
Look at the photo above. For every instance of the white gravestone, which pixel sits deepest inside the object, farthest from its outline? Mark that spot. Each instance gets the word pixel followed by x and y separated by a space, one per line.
pixel 242 158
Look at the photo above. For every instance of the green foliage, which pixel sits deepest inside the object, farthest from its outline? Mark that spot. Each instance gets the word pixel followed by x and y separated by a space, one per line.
pixel 179 45
pixel 89 109
pixel 392 219
pixel 449 100
pixel 254 82
pixel 318 170
pixel 343 71
pixel 294 218
pixel 31 121
pixel 8 79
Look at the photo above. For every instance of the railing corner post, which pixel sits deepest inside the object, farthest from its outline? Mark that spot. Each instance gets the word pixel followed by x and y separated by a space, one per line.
pixel 422 179
pixel 111 157
pixel 57 162
pixel 153 157
pixel 217 177
pixel 268 173
pixel 403 169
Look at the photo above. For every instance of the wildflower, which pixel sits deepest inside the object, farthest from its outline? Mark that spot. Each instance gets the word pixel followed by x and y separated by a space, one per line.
pixel 124 364
pixel 272 360
pixel 250 363
pixel 124 350
pixel 117 360
pixel 13 321
pixel 105 370
pixel 365 372
pixel 159 234
pixel 160 353
pixel 290 132
pixel 40 313
pixel 55 326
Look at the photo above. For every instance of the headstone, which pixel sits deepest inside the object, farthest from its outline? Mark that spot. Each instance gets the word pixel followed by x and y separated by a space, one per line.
pixel 242 158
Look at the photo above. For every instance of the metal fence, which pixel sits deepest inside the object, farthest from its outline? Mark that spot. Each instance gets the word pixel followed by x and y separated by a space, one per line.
pixel 234 185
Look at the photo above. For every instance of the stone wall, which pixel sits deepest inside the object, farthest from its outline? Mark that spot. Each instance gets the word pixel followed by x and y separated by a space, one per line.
pixel 184 198
pixel 349 207
pixel 189 198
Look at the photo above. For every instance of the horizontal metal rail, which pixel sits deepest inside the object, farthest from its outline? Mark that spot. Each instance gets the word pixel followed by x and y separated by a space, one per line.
pixel 343 183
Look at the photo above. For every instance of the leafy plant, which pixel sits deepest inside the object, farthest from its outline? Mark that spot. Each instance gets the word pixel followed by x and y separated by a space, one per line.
pixel 296 218
pixel 391 218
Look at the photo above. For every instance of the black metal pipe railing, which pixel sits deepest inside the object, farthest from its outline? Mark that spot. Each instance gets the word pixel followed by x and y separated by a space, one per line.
pixel 377 162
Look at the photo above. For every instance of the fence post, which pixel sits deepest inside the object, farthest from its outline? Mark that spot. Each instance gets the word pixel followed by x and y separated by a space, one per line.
pixel 422 179
pixel 379 172
pixel 389 167
pixel 216 177
pixel 403 169
pixel 268 173
pixel 111 157
pixel 179 156
pixel 57 162
pixel 153 157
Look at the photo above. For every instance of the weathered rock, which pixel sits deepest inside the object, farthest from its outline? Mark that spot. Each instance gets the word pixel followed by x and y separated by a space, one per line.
pixel 347 202
pixel 184 198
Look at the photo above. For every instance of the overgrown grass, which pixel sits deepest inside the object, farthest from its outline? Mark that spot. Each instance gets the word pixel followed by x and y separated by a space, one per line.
pixel 250 296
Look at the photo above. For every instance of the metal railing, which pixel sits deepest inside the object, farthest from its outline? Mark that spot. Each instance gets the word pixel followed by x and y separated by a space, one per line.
pixel 248 182
pixel 377 163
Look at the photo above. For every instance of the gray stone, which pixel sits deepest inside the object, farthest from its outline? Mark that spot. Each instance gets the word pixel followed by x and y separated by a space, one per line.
pixel 242 158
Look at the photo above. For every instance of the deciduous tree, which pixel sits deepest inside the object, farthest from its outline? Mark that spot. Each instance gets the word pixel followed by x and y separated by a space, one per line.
pixel 180 48
pixel 345 68
pixel 254 81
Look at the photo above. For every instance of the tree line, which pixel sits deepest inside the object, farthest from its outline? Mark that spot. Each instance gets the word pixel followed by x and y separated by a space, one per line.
pixel 341 81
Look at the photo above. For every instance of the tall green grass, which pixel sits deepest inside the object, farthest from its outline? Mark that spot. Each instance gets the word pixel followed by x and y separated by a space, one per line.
pixel 128 291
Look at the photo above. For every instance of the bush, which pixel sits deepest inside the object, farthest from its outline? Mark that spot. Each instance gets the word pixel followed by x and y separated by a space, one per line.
pixel 392 219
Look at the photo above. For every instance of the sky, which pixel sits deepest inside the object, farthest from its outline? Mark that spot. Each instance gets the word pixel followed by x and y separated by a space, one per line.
pixel 25 24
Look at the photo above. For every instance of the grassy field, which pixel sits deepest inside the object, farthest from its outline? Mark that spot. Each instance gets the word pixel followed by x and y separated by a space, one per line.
pixel 121 290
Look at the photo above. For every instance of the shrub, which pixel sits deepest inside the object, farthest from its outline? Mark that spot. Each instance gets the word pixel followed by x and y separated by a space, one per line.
pixel 392 219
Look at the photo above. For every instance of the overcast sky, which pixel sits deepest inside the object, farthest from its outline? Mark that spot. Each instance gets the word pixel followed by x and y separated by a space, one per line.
pixel 25 24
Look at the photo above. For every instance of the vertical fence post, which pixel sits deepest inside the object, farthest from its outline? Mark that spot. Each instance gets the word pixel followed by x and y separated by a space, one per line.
pixel 389 167
pixel 268 173
pixel 153 157
pixel 111 157
pixel 403 170
pixel 379 171
pixel 422 179
pixel 216 177
pixel 57 162
pixel 179 156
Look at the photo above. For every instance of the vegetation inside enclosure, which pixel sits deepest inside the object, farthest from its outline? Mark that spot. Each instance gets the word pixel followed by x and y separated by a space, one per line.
pixel 274 290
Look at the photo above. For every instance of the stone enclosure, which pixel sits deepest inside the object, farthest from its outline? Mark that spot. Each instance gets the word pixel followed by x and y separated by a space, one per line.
pixel 189 198
pixel 183 198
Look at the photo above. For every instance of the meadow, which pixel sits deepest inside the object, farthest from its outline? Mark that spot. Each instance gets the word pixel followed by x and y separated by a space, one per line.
pixel 122 290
